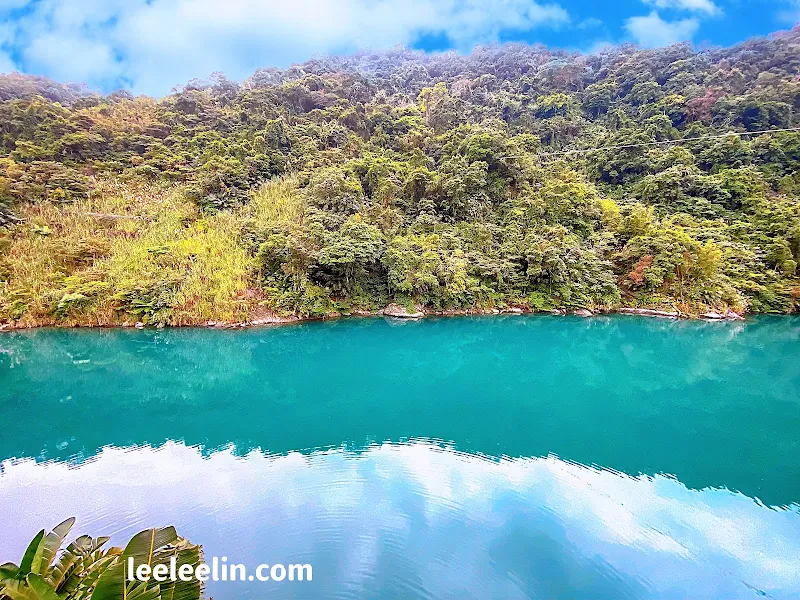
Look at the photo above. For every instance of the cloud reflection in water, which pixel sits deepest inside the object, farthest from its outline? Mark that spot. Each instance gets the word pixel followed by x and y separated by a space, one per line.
pixel 418 521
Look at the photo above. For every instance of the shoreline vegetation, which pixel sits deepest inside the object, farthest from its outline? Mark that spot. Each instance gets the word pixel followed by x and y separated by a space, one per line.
pixel 513 179
pixel 395 311
pixel 87 569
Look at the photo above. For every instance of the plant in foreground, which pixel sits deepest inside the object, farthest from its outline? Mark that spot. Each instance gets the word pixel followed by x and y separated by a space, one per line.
pixel 86 570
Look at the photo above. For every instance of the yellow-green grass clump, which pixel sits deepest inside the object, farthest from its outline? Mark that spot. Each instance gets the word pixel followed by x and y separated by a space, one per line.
pixel 130 252
pixel 276 202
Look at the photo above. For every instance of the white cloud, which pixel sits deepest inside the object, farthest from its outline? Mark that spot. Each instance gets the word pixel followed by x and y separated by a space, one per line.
pixel 344 506
pixel 71 58
pixel 653 32
pixel 155 44
pixel 699 6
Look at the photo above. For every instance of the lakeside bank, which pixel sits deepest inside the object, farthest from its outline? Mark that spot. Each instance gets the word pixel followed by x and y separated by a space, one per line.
pixel 396 311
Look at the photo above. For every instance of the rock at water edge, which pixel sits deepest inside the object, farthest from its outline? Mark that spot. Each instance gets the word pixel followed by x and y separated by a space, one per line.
pixel 400 312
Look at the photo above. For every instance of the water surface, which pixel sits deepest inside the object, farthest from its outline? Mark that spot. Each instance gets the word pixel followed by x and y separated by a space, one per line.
pixel 506 457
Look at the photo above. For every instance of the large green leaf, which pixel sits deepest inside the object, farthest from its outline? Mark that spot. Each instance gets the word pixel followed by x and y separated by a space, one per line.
pixel 112 585
pixel 186 553
pixel 78 557
pixel 50 545
pixel 144 544
pixel 33 587
pixel 41 587
pixel 30 554
pixel 8 571
pixel 140 591
pixel 71 558
pixel 81 585
pixel 152 547
pixel 80 576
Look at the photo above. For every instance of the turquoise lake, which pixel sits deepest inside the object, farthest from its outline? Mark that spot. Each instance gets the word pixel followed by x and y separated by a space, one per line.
pixel 456 458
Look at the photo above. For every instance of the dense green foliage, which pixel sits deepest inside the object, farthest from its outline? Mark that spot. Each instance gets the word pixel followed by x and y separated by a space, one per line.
pixel 85 570
pixel 443 180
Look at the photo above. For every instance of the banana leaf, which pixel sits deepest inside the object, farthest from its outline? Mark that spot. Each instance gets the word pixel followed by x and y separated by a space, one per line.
pixel 30 555
pixel 50 545
pixel 33 587
pixel 152 547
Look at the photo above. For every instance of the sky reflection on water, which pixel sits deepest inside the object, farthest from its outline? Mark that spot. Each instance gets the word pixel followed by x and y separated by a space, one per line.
pixel 419 521
pixel 689 431
pixel 714 404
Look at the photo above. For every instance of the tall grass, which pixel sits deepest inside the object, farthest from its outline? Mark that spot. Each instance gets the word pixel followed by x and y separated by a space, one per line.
pixel 277 201
pixel 130 252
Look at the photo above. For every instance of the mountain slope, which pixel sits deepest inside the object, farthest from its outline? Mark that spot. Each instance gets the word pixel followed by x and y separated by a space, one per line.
pixel 515 176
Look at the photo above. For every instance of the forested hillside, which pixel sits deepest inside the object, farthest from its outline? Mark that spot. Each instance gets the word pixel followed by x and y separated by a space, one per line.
pixel 447 181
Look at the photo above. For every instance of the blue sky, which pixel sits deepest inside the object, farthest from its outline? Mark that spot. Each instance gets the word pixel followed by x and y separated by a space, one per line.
pixel 150 46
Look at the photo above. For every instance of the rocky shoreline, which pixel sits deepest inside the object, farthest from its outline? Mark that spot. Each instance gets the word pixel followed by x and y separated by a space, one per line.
pixel 397 311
